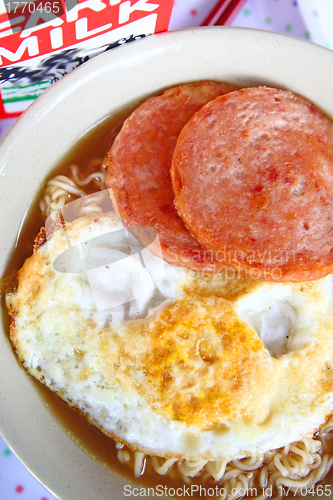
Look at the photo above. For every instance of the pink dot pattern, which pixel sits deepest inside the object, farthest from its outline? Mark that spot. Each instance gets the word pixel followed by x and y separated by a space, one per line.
pixel 16 483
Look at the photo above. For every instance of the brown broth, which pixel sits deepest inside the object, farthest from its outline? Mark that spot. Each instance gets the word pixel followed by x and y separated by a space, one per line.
pixel 88 153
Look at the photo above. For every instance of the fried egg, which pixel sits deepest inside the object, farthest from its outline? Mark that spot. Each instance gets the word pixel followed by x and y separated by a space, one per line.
pixel 171 362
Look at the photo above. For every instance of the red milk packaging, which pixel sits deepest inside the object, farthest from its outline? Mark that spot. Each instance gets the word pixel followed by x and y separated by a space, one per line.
pixel 42 40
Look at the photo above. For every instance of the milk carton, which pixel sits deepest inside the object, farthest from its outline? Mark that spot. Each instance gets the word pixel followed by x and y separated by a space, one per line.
pixel 42 40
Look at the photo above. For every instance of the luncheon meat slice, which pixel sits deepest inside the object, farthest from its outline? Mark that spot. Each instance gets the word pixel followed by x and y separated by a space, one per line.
pixel 252 174
pixel 139 164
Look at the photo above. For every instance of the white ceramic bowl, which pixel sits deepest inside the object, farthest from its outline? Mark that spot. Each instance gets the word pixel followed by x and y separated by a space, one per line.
pixel 52 125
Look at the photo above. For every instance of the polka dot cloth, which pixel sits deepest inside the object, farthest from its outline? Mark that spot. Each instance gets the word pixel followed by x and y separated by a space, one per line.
pixel 283 16
pixel 308 19
pixel 4 127
pixel 302 18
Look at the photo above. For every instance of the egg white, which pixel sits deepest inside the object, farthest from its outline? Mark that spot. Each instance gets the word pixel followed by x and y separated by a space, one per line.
pixel 148 369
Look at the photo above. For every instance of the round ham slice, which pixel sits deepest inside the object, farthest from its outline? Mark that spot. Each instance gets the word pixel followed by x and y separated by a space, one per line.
pixel 138 170
pixel 252 174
